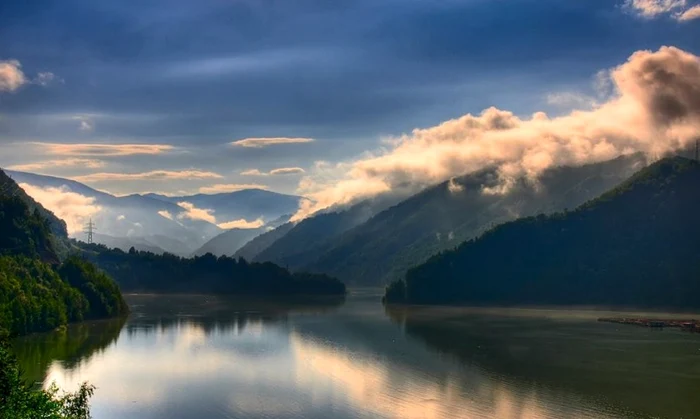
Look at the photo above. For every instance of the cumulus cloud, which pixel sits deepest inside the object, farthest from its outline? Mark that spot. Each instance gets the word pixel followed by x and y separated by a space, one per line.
pixel 282 171
pixel 242 224
pixel 75 209
pixel 690 14
pixel 49 164
pixel 166 214
pixel 655 109
pixel 571 100
pixel 103 149
pixel 194 213
pixel 269 141
pixel 11 76
pixel 152 175
pixel 230 187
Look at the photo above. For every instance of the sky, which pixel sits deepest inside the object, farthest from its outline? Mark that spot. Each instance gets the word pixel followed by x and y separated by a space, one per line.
pixel 337 100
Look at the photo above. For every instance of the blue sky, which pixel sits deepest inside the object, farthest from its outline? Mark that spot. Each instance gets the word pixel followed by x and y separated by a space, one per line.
pixel 186 79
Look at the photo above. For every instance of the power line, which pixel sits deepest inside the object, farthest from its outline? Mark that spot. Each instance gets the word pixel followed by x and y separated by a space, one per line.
pixel 88 230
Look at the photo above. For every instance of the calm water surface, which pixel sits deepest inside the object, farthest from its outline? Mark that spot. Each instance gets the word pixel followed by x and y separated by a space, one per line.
pixel 208 357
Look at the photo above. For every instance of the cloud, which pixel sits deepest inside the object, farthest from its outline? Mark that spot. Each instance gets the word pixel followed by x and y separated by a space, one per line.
pixel 230 187
pixel 152 175
pixel 49 164
pixel 11 76
pixel 166 214
pixel 46 78
pixel 650 9
pixel 86 124
pixel 242 224
pixel 194 213
pixel 265 142
pixel 282 171
pixel 73 208
pixel 454 187
pixel 655 109
pixel 104 149
pixel 121 217
pixel 571 100
pixel 690 14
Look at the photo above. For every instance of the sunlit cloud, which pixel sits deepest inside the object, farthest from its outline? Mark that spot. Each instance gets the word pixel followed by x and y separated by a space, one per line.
pixel 194 213
pixel 655 109
pixel 166 214
pixel 269 141
pixel 230 187
pixel 156 175
pixel 11 76
pixel 242 224
pixel 282 171
pixel 50 164
pixel 75 209
pixel 650 9
pixel 103 149
pixel 690 14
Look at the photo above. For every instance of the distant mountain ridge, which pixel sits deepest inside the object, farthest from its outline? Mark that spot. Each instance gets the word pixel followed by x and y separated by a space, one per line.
pixel 637 245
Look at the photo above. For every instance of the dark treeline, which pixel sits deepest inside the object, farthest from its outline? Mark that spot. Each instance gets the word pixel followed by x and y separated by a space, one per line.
pixel 637 245
pixel 138 271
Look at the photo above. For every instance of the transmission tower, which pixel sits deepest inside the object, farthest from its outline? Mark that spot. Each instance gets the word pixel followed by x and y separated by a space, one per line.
pixel 88 230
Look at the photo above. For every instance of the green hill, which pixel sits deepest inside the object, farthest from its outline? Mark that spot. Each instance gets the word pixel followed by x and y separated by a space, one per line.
pixel 636 245
pixel 440 217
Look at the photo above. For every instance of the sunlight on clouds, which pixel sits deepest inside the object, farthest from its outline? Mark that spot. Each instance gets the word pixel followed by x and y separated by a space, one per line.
pixel 653 8
pixel 166 214
pixel 655 110
pixel 268 141
pixel 73 208
pixel 49 164
pixel 230 187
pixel 152 175
pixel 11 76
pixel 242 224
pixel 194 213
pixel 282 171
pixel 690 14
pixel 103 149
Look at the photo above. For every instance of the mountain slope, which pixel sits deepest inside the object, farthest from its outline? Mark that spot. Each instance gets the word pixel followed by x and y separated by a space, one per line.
pixel 230 241
pixel 442 216
pixel 637 245
pixel 253 247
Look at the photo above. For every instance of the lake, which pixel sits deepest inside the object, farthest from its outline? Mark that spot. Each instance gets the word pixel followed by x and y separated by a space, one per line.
pixel 214 357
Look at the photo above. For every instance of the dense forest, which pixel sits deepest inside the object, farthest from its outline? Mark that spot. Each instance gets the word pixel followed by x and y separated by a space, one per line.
pixel 138 271
pixel 38 291
pixel 636 245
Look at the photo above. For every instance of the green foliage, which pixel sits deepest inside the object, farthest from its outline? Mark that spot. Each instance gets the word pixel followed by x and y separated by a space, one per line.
pixel 24 232
pixel 637 245
pixel 139 271
pixel 19 401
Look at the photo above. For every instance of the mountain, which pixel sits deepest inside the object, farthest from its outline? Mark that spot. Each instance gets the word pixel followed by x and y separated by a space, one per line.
pixel 249 204
pixel 38 291
pixel 253 247
pixel 230 241
pixel 133 216
pixel 126 243
pixel 637 245
pixel 310 237
pixel 440 217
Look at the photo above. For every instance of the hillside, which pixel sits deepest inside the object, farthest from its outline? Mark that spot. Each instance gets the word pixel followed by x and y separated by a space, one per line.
pixel 440 217
pixel 636 245
pixel 230 241
pixel 38 291
pixel 253 247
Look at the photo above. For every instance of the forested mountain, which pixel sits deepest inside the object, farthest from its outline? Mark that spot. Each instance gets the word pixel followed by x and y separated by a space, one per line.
pixel 636 245
pixel 38 291
pixel 440 217
pixel 304 241
pixel 253 247
pixel 230 241
pixel 138 271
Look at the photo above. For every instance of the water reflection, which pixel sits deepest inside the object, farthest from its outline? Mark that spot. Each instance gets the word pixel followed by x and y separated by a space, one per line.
pixel 191 357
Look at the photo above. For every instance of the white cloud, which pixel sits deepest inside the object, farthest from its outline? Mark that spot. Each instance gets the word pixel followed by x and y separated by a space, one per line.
pixel 121 217
pixel 282 171
pixel 655 109
pixel 454 187
pixel 11 76
pixel 571 100
pixel 152 175
pixel 166 214
pixel 690 14
pixel 242 223
pixel 194 213
pixel 230 187
pixel 268 141
pixel 85 123
pixel 46 78
pixel 73 208
pixel 49 164
pixel 103 149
